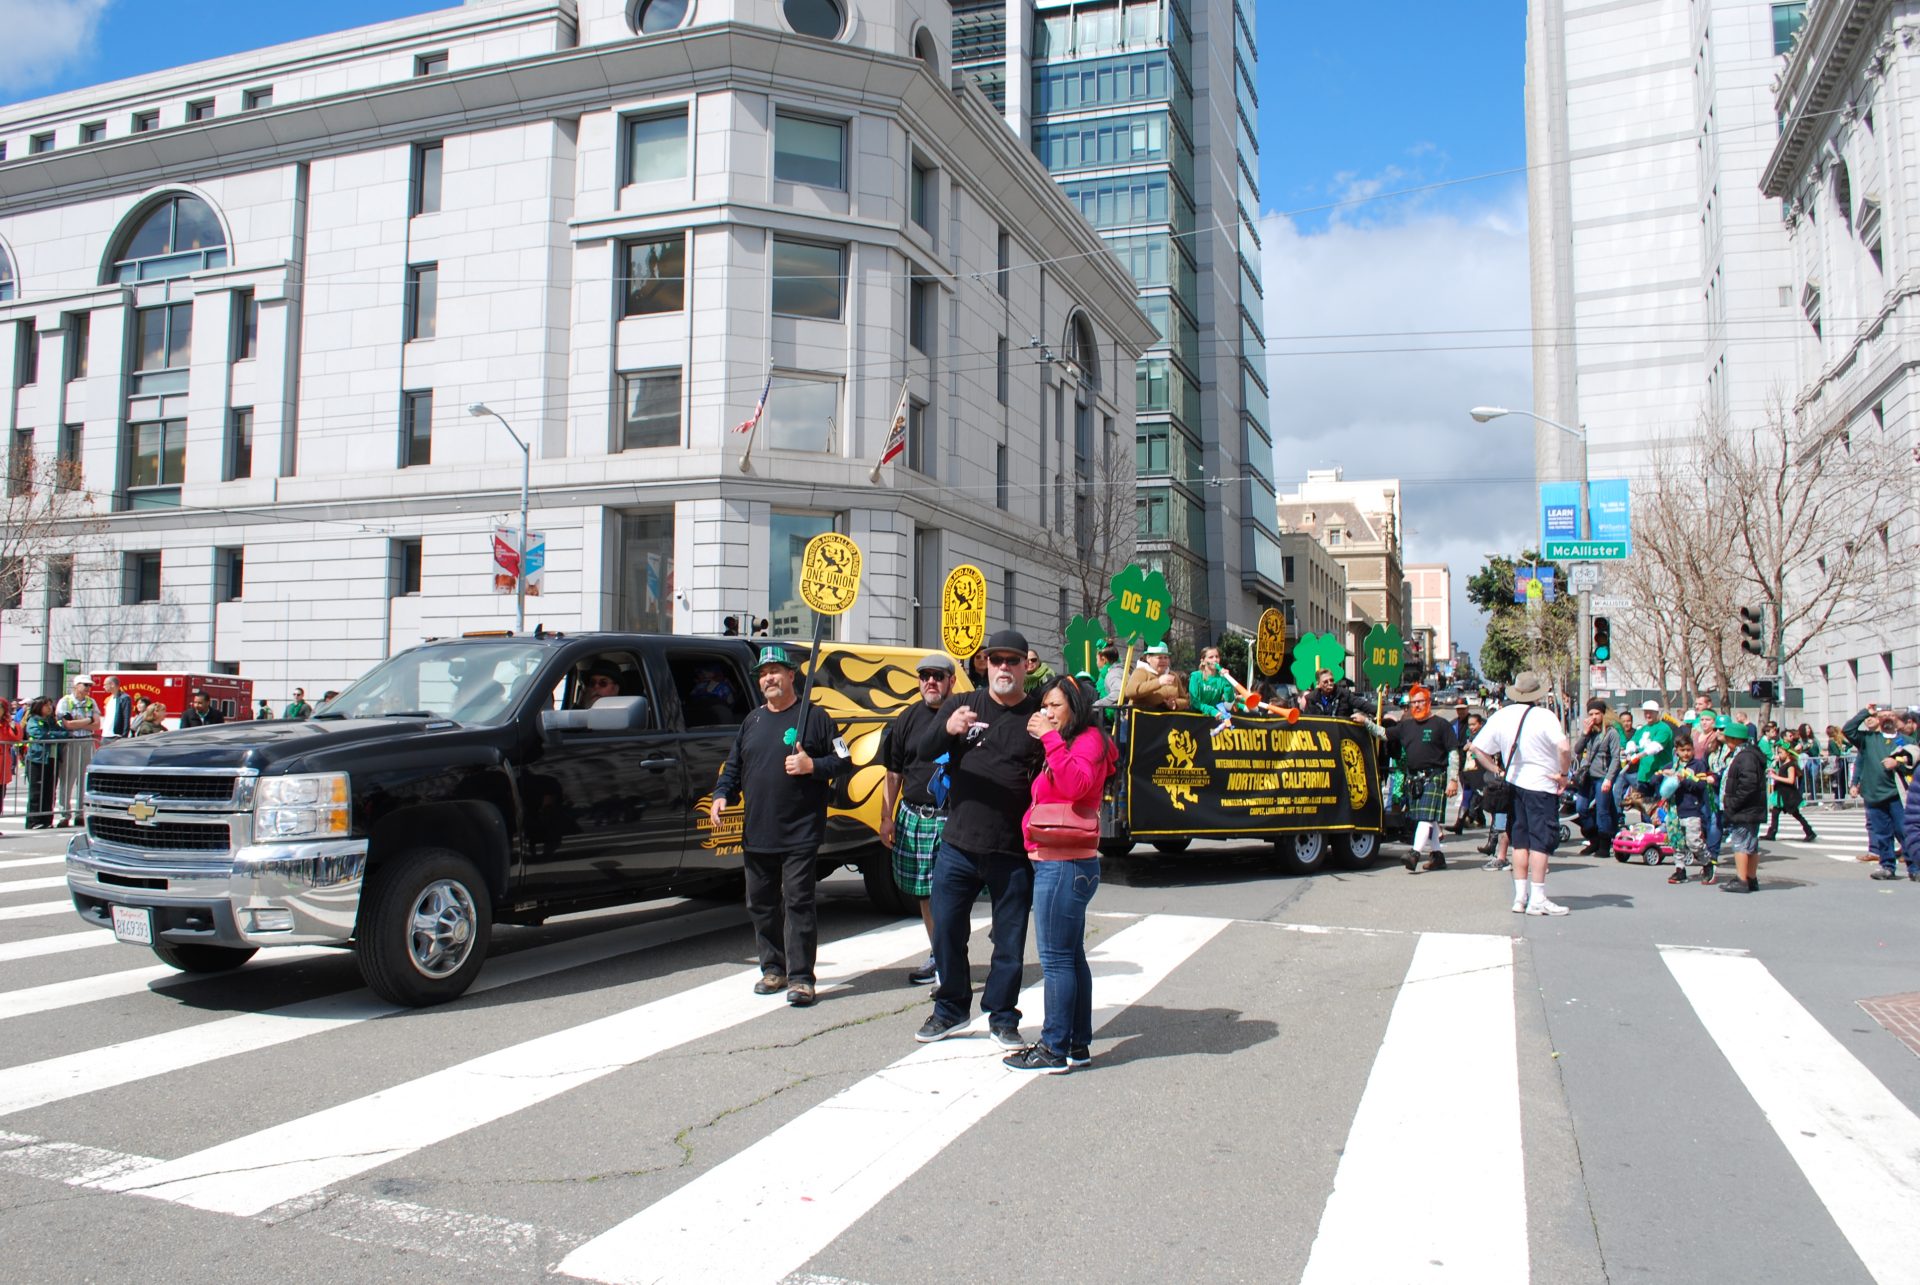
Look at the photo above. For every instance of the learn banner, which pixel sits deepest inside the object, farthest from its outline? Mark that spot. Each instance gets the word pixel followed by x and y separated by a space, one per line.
pixel 1258 776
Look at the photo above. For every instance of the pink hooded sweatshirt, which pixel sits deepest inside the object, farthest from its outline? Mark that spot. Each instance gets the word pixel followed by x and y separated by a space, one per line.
pixel 1076 773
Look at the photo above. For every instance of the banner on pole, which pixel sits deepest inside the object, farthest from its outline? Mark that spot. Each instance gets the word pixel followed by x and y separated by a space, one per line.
pixel 506 559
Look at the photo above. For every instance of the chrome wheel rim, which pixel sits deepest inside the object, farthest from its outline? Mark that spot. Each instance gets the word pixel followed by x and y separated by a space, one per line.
pixel 1362 844
pixel 1309 846
pixel 441 929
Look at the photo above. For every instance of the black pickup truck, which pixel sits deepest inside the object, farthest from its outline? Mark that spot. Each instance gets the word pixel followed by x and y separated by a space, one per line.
pixel 459 784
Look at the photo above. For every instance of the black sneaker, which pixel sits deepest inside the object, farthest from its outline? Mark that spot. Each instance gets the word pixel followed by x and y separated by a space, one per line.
pixel 1679 875
pixel 1080 1055
pixel 925 975
pixel 1038 1058
pixel 1709 877
pixel 1883 874
pixel 937 1027
pixel 1007 1035
pixel 1412 860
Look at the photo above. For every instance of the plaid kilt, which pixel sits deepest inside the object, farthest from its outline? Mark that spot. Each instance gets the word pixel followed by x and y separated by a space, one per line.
pixel 914 839
pixel 1427 797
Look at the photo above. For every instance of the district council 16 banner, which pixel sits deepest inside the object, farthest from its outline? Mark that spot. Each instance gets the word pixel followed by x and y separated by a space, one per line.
pixel 1259 776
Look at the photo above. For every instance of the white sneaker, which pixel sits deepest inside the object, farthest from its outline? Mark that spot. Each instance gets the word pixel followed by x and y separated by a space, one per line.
pixel 1520 906
pixel 1545 907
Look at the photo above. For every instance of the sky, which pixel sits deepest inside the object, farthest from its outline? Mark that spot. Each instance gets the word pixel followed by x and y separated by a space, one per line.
pixel 1387 316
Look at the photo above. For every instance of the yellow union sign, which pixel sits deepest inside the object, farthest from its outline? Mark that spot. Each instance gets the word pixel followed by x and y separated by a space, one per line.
pixel 963 611
pixel 830 573
pixel 1270 643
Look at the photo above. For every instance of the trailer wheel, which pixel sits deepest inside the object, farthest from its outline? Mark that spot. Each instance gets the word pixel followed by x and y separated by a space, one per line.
pixel 882 891
pixel 1356 849
pixel 1301 854
pixel 190 957
pixel 1172 847
pixel 424 928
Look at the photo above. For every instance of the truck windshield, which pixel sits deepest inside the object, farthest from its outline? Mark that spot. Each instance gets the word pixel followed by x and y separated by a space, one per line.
pixel 473 683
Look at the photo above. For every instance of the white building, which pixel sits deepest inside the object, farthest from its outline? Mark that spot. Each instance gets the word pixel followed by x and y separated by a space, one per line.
pixel 260 293
pixel 1431 584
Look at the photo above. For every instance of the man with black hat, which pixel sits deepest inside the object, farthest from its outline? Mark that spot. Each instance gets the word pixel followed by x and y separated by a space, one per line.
pixel 1743 805
pixel 911 821
pixel 991 762
pixel 783 774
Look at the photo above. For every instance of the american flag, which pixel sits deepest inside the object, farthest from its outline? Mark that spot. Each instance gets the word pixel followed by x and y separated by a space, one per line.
pixel 896 434
pixel 759 408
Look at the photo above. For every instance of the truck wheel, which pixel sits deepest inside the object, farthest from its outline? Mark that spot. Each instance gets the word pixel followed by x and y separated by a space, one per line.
pixel 1356 849
pixel 882 891
pixel 424 927
pixel 1116 847
pixel 1172 847
pixel 189 957
pixel 1301 854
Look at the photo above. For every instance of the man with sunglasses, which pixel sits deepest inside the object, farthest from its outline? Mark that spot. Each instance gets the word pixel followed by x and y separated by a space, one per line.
pixel 912 820
pixel 991 764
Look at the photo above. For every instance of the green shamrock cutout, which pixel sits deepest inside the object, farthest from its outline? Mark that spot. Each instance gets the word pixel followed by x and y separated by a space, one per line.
pixel 1381 660
pixel 1084 641
pixel 1141 608
pixel 1315 652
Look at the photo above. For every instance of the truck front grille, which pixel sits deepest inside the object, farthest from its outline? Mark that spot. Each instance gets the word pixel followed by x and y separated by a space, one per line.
pixel 164 836
pixel 161 785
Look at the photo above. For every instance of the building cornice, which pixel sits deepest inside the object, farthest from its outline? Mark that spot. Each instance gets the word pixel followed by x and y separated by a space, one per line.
pixel 1810 88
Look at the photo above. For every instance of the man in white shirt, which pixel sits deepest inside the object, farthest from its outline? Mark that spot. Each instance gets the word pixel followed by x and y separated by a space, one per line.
pixel 80 717
pixel 116 710
pixel 1536 755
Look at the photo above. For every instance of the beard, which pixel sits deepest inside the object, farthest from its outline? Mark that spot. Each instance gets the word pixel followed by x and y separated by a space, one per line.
pixel 1003 683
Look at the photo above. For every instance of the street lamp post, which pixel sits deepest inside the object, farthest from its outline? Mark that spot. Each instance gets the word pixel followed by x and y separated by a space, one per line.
pixel 526 470
pixel 1482 415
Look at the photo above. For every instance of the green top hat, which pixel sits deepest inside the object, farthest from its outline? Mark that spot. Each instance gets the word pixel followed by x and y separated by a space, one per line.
pixel 773 656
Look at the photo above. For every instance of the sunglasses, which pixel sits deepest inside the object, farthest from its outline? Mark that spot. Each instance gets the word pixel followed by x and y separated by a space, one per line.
pixel 1006 662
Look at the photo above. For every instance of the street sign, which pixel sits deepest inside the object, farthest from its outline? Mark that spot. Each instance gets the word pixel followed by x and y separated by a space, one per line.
pixel 1582 576
pixel 1585 550
pixel 1601 606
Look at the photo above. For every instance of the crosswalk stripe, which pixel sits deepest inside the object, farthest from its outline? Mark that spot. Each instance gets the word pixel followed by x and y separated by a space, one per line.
pixel 59 1078
pixel 35 947
pixel 250 1174
pixel 129 981
pixel 35 885
pixel 1463 1158
pixel 1857 1144
pixel 763 1213
pixel 20 863
pixel 38 909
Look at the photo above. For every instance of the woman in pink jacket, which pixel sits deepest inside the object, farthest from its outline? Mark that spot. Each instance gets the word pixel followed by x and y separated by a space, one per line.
pixel 1066 870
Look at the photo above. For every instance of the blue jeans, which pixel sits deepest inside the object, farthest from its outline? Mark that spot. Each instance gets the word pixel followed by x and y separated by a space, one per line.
pixel 1595 805
pixel 1716 834
pixel 1061 891
pixel 1885 824
pixel 958 878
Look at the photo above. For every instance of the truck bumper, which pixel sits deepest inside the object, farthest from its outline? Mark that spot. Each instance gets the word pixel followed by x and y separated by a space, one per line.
pixel 287 894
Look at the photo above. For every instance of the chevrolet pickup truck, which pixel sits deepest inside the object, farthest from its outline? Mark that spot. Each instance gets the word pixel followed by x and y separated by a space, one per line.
pixel 460 784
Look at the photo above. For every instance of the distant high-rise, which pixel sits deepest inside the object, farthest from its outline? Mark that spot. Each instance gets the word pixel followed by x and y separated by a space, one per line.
pixel 1147 115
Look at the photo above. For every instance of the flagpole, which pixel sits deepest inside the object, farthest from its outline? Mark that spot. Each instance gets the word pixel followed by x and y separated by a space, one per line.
pixel 895 425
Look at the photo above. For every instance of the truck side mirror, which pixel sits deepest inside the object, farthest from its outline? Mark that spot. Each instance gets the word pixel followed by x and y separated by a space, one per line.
pixel 608 714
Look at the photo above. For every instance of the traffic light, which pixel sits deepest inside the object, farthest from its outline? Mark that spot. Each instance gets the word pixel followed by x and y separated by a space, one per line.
pixel 1765 690
pixel 1602 649
pixel 1752 621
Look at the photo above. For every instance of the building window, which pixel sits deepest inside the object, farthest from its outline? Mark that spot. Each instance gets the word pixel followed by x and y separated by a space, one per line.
pixel 67 457
pixel 255 99
pixel 1003 262
pixel 229 574
pixel 165 349
pixel 659 15
pixel 653 275
pixel 93 131
pixel 921 297
pixel 6 264
pixel 13 583
pixel 200 109
pixel 801 411
pixel 651 409
pixel 404 567
pixel 922 180
pixel 787 536
pixel 178 236
pixel 79 337
pixel 145 121
pixel 40 143
pixel 1002 369
pixel 1007 587
pixel 657 147
pixel 822 18
pixel 27 368
pixel 416 429
pixel 423 300
pixel 60 581
pixel 20 463
pixel 919 445
pixel 809 150
pixel 426 179
pixel 246 325
pixel 141 578
pixel 1000 477
pixel 239 451
pixel 808 279
pixel 1787 20
pixel 434 64
pixel 156 463
pixel 1810 305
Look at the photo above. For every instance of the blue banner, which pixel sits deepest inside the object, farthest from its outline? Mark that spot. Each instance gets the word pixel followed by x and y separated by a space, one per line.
pixel 1532 584
pixel 1559 511
pixel 1612 515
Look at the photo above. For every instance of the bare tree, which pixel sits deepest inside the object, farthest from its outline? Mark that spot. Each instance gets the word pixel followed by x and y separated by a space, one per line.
pixel 99 629
pixel 48 521
pixel 1096 538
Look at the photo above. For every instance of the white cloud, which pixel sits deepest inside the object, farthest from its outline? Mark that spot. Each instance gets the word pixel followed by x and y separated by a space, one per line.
pixel 45 38
pixel 1382 330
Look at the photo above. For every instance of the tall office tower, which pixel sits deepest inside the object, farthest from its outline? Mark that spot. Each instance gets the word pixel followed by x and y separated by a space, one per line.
pixel 1147 115
pixel 1661 277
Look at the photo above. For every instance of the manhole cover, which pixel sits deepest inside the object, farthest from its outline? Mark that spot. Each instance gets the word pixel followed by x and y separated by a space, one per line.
pixel 1900 1014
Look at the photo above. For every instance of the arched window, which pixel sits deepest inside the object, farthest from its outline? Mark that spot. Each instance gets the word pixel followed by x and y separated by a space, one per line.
pixel 177 236
pixel 1085 353
pixel 822 18
pixel 651 16
pixel 6 276
pixel 927 51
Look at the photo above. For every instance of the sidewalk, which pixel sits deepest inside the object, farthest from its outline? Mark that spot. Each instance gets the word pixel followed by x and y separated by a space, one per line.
pixel 16 842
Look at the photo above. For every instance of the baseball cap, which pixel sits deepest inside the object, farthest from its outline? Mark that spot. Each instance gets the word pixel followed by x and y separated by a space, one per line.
pixel 1650 706
pixel 1737 731
pixel 773 656
pixel 1008 640
pixel 934 663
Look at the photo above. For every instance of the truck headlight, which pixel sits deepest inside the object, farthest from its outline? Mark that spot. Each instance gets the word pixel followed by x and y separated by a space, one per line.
pixel 313 806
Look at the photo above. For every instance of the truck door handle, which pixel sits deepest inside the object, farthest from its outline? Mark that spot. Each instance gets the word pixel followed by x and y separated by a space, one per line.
pixel 657 764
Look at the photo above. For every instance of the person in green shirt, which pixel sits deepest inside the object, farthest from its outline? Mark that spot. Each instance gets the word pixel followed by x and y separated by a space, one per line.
pixel 1648 752
pixel 1212 690
pixel 298 707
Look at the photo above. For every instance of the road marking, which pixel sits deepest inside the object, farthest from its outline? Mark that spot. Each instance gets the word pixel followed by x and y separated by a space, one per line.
pixel 1458 1166
pixel 35 885
pixel 19 863
pixel 1857 1144
pixel 766 1211
pixel 59 1078
pixel 130 981
pixel 286 1161
pixel 38 909
pixel 34 947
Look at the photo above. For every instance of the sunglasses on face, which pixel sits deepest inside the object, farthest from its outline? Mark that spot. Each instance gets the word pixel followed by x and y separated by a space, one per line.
pixel 933 676
pixel 1006 662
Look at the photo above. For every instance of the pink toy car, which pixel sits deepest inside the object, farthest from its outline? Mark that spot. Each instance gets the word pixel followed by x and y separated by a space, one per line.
pixel 1643 841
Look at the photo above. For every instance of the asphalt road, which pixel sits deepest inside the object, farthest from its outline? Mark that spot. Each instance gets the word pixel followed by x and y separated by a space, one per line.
pixel 1356 1076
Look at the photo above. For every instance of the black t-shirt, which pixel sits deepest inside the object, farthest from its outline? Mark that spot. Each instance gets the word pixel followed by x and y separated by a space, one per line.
pixel 1422 745
pixel 784 813
pixel 992 773
pixel 900 750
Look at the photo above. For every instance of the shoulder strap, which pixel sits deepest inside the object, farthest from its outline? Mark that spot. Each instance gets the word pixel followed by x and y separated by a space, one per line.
pixel 1513 759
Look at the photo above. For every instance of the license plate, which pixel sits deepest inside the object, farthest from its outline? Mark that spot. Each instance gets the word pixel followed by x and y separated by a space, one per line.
pixel 134 925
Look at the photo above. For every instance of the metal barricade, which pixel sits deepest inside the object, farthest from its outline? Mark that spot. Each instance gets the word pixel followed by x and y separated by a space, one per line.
pixel 46 784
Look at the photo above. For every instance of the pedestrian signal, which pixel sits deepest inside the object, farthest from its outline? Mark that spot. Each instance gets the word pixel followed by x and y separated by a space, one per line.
pixel 1602 649
pixel 1766 690
pixel 1752 621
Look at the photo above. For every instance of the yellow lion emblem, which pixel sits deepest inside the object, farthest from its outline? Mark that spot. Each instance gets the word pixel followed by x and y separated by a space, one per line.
pixel 1356 768
pixel 1178 776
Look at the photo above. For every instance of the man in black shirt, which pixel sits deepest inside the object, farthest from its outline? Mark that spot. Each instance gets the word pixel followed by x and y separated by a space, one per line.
pixel 783 774
pixel 1423 743
pixel 991 762
pixel 201 713
pixel 912 820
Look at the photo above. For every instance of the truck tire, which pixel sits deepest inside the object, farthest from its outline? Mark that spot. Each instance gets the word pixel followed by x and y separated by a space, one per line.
pixel 1356 849
pixel 425 925
pixel 1301 854
pixel 882 891
pixel 1116 847
pixel 1172 847
pixel 190 957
